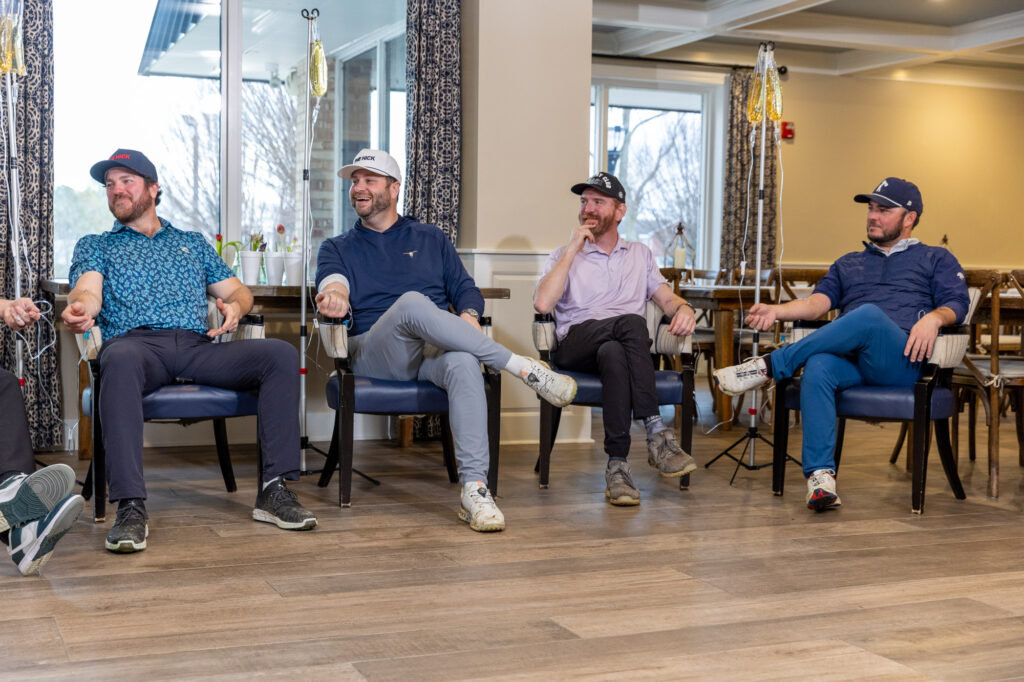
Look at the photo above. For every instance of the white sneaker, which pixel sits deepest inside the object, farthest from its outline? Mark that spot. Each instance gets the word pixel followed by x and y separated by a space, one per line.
pixel 33 543
pixel 479 510
pixel 738 379
pixel 557 389
pixel 821 490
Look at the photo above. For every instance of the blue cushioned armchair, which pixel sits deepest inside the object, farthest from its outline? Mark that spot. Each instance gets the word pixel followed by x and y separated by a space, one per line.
pixel 180 403
pixel 674 386
pixel 348 394
pixel 928 401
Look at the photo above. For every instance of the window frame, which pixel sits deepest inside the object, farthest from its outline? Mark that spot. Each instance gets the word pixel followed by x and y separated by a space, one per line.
pixel 713 89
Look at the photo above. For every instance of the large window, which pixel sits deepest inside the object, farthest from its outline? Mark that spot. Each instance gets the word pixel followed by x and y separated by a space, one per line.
pixel 112 90
pixel 662 140
pixel 160 93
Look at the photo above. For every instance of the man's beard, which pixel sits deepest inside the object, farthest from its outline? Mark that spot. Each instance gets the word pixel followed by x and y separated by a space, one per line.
pixel 602 226
pixel 135 211
pixel 886 236
pixel 379 203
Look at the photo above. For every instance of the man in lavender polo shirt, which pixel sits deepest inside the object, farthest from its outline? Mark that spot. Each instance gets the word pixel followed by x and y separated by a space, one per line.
pixel 598 286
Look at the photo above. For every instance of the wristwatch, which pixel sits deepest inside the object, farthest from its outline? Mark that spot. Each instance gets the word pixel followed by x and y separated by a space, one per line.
pixel 471 311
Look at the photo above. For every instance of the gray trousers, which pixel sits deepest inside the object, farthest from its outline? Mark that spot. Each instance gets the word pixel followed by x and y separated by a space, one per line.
pixel 415 339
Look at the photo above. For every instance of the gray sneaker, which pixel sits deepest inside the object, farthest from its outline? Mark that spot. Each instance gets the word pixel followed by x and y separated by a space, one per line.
pixel 619 488
pixel 277 505
pixel 29 498
pixel 665 455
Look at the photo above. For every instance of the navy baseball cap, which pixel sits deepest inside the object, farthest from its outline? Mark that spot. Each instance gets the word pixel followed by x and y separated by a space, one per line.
pixel 124 158
pixel 605 183
pixel 895 192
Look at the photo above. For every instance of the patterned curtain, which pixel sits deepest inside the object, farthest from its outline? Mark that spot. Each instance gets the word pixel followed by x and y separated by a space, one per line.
pixel 433 126
pixel 34 117
pixel 741 168
pixel 433 78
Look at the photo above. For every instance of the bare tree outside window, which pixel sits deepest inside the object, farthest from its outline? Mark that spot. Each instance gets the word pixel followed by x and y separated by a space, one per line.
pixel 659 161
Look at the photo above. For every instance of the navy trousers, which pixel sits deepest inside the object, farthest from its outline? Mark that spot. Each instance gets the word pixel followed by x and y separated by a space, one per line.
pixel 15 443
pixel 142 360
pixel 619 349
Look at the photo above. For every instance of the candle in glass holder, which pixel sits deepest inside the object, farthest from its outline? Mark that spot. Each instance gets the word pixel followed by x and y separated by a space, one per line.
pixel 679 258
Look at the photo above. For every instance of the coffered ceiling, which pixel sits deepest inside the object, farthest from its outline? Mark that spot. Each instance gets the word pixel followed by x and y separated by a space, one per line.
pixel 964 42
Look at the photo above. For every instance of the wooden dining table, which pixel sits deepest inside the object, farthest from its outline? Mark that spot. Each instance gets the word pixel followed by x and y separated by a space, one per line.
pixel 722 300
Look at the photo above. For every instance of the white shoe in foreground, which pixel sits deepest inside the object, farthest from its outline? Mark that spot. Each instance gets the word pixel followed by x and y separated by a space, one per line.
pixel 479 510
pixel 821 490
pixel 33 543
pixel 557 389
pixel 738 379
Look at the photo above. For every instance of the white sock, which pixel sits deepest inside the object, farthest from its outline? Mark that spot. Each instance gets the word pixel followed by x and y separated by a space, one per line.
pixel 517 364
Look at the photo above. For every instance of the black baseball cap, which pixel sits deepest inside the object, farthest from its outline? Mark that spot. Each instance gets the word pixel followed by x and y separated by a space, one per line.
pixel 894 192
pixel 605 183
pixel 124 158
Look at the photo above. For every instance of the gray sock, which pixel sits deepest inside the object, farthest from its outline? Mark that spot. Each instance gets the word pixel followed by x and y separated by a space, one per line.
pixel 654 425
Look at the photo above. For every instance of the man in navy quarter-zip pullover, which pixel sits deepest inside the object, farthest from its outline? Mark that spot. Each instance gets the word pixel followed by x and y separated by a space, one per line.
pixel 892 297
pixel 397 277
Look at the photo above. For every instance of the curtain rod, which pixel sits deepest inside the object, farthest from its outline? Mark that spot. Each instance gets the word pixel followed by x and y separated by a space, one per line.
pixel 684 62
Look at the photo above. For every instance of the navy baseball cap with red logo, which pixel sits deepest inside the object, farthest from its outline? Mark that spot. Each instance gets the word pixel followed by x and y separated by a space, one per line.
pixel 124 158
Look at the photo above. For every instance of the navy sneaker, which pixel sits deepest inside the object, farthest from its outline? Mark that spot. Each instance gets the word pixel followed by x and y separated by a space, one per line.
pixel 32 543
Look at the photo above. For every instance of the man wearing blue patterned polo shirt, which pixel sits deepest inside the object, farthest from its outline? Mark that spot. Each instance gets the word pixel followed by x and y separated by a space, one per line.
pixel 145 283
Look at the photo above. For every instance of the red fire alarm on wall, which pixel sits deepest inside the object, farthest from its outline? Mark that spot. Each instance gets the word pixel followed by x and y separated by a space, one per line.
pixel 788 130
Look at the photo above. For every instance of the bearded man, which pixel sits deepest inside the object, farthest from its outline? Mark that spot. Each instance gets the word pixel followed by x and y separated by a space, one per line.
pixel 598 286
pixel 144 284
pixel 893 297
pixel 398 278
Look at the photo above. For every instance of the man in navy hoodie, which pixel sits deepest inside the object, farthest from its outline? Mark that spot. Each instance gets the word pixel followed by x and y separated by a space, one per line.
pixel 892 297
pixel 397 277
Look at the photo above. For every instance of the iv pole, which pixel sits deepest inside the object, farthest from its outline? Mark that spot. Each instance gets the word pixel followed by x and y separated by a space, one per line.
pixel 758 111
pixel 12 64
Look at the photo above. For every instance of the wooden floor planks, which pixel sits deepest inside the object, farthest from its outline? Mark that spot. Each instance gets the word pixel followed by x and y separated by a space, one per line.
pixel 717 582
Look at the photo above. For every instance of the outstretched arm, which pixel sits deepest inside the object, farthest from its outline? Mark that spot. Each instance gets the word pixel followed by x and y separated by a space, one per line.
pixel 763 315
pixel 84 302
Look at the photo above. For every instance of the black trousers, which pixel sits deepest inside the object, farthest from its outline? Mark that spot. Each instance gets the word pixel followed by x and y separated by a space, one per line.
pixel 141 361
pixel 619 349
pixel 15 443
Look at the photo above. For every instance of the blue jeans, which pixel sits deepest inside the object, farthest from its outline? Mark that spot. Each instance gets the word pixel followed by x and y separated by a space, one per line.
pixel 861 347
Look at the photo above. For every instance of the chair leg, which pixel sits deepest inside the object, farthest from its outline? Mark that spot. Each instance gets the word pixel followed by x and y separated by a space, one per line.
pixel 685 411
pixel 780 439
pixel 87 484
pixel 549 418
pixel 840 436
pixel 343 432
pixel 972 426
pixel 899 443
pixel 220 435
pixel 99 455
pixel 1018 412
pixel 492 388
pixel 922 399
pixel 332 455
pixel 448 447
pixel 948 459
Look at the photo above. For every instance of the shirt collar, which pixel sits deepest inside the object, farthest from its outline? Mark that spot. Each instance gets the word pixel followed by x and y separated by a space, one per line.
pixel 901 245
pixel 119 226
pixel 591 247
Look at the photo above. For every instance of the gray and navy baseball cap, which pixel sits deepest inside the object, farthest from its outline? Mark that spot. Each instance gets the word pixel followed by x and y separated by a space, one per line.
pixel 894 192
pixel 605 183
pixel 124 158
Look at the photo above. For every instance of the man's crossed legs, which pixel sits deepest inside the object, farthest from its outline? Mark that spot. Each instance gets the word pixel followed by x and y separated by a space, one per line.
pixel 415 339
pixel 861 347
